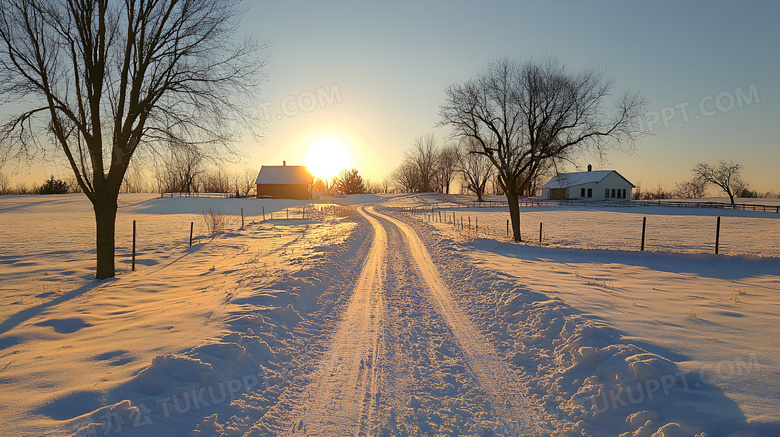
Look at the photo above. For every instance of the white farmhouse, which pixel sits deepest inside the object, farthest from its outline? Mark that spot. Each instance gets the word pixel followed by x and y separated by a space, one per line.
pixel 588 185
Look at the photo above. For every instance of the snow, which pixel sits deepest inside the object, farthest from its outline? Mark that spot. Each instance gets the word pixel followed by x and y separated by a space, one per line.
pixel 361 319
pixel 208 315
pixel 612 227
pixel 694 309
pixel 284 174
pixel 197 205
pixel 566 180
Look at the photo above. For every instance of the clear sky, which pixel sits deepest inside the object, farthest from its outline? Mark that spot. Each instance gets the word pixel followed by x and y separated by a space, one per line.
pixel 390 63
pixel 372 75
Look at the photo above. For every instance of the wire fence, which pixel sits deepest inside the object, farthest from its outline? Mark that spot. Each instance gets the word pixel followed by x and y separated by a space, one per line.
pixel 232 195
pixel 534 202
pixel 617 230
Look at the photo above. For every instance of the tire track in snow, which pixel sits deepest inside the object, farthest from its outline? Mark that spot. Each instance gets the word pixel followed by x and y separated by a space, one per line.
pixel 341 399
pixel 492 374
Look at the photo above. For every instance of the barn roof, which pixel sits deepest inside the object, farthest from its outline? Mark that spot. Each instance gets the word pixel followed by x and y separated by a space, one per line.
pixel 284 174
pixel 567 180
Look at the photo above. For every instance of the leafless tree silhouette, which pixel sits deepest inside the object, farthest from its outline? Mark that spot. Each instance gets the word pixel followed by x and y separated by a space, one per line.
pixel 523 115
pixel 447 161
pixel 726 175
pixel 104 78
pixel 475 169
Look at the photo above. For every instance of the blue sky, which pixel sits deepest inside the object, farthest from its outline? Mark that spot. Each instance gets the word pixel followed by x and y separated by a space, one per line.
pixel 372 75
pixel 381 70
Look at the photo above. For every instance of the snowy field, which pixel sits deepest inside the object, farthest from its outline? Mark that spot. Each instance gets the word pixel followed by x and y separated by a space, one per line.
pixel 668 229
pixel 363 321
pixel 712 314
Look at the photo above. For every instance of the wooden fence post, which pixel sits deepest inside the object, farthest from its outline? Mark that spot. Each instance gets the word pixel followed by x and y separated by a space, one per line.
pixel 242 218
pixel 540 233
pixel 644 226
pixel 192 224
pixel 507 228
pixel 717 236
pixel 133 245
pixel 263 213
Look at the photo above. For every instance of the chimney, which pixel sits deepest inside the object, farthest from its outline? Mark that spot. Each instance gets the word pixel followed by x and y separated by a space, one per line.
pixel 284 164
pixel 590 167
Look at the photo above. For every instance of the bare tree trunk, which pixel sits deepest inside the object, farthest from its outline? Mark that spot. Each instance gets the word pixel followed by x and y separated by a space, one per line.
pixel 514 211
pixel 105 229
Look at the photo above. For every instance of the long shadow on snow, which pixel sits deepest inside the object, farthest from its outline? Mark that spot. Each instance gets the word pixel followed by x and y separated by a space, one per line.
pixel 177 391
pixel 729 267
pixel 702 403
pixel 28 313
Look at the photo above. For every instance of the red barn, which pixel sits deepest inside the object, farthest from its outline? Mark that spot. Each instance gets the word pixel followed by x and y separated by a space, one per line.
pixel 284 182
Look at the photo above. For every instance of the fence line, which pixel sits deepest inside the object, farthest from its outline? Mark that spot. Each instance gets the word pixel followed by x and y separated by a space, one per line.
pixel 463 224
pixel 208 195
pixel 530 202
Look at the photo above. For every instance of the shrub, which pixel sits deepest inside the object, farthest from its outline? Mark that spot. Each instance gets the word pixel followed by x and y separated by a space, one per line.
pixel 215 222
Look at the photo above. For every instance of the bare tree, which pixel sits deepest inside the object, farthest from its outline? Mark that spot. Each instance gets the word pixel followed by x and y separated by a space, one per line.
pixel 107 77
pixel 215 181
pixel 726 175
pixel 693 189
pixel 5 183
pixel 247 181
pixel 179 171
pixel 386 184
pixel 21 188
pixel 447 167
pixel 406 177
pixel 419 169
pixel 349 182
pixel 523 115
pixel 135 180
pixel 371 187
pixel 475 169
pixel 423 157
pixel 659 193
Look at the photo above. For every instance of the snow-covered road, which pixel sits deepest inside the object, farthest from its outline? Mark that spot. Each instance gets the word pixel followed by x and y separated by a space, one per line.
pixel 366 382
pixel 341 398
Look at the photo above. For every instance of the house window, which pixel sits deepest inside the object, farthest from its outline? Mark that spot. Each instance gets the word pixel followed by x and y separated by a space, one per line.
pixel 624 193
pixel 606 193
pixel 590 192
pixel 582 192
pixel 613 193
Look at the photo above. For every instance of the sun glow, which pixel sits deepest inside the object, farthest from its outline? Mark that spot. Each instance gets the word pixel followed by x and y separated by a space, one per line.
pixel 326 158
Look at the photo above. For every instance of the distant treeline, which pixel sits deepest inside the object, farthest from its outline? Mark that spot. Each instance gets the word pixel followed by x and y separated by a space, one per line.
pixel 51 185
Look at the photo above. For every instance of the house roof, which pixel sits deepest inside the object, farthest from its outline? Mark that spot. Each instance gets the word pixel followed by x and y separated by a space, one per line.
pixel 284 174
pixel 567 180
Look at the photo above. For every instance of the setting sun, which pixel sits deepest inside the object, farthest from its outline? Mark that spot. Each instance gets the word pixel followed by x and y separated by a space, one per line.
pixel 326 158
